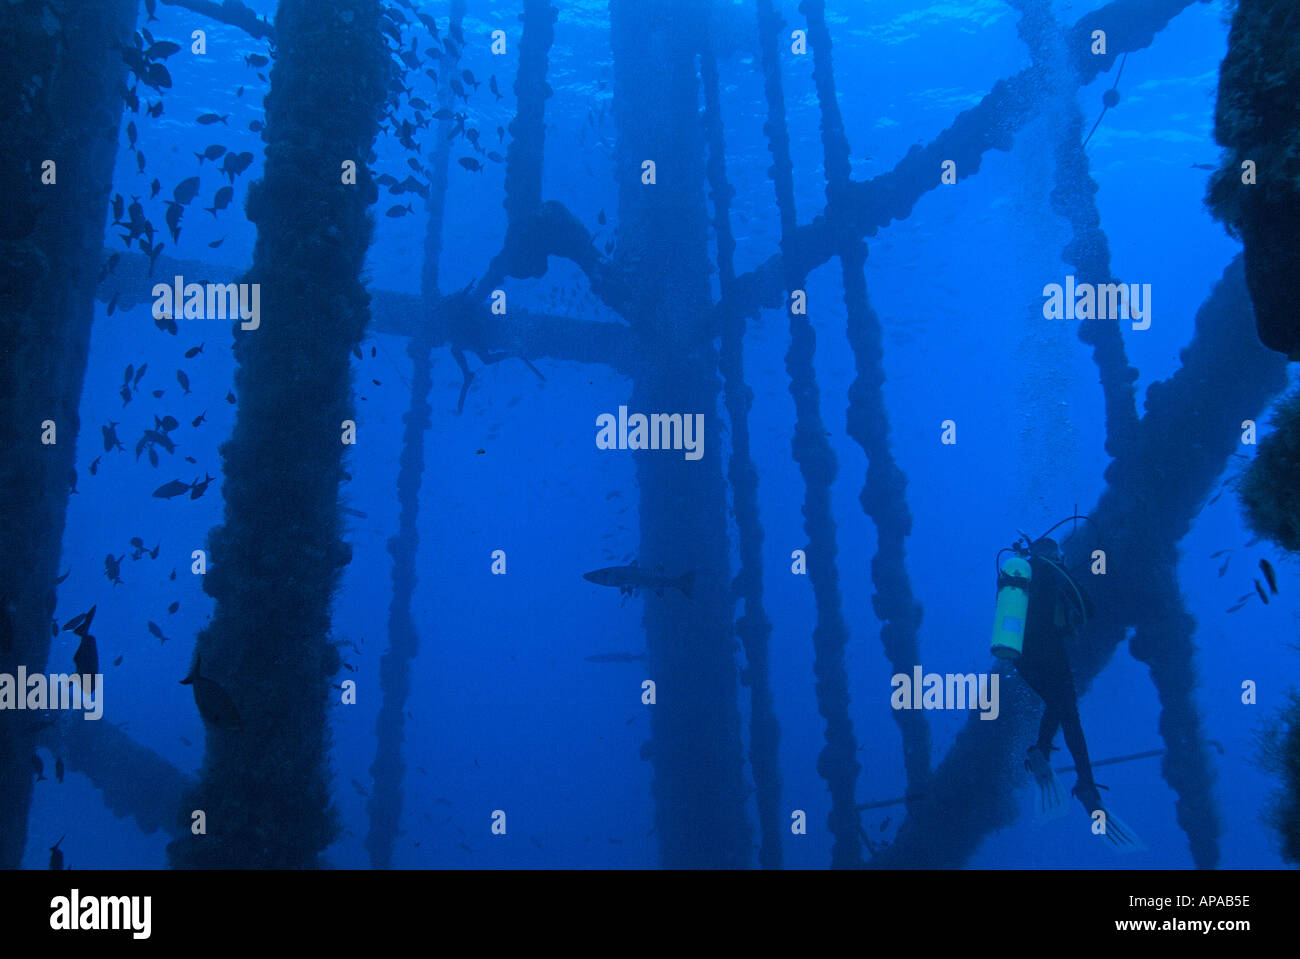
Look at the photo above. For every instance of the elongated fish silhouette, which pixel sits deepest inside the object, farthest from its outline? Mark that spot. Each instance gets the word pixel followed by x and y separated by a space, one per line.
pixel 215 705
pixel 628 579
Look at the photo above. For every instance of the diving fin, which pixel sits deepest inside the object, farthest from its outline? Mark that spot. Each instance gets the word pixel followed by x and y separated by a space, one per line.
pixel 1105 823
pixel 1051 797
pixel 1117 833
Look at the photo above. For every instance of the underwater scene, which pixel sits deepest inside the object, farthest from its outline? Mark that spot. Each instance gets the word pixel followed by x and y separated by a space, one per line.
pixel 566 434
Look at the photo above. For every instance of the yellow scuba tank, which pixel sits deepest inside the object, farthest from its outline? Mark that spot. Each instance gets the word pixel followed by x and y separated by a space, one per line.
pixel 1013 603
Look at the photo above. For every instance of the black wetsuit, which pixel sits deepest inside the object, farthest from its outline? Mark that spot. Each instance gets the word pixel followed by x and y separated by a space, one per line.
pixel 1057 606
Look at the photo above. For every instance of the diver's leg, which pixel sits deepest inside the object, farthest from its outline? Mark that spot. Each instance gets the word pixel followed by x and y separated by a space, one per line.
pixel 1037 676
pixel 1047 728
pixel 1085 789
pixel 503 355
pixel 1074 740
pixel 468 377
pixel 1051 797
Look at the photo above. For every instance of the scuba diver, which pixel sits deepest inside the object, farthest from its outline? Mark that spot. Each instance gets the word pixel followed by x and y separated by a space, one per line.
pixel 1040 606
pixel 471 327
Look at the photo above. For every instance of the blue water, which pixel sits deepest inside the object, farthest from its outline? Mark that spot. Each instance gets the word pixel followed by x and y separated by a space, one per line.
pixel 505 712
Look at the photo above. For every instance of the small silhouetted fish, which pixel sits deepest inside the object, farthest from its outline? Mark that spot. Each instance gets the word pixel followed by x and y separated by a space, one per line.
pixel 162 50
pixel 1262 595
pixel 153 436
pixel 199 489
pixel 186 190
pixel 1224 568
pixel 155 109
pixel 501 134
pixel 154 187
pixel 56 854
pixel 1235 607
pixel 112 304
pixel 209 118
pixel 199 419
pixel 216 243
pixel 221 200
pixel 174 488
pixel 213 152
pixel 157 394
pixel 361 790
pixel 118 661
pixel 184 381
pixel 166 424
pixel 600 217
pixel 492 85
pixel 139 161
pixel 111 442
pixel 1267 568
pixel 63 577
pixel 156 631
pixel 1203 166
pixel 119 206
pixel 86 659
pixel 230 398
pixel 398 210
pixel 58 768
pixel 39 765
pixel 214 703
pixel 256 126
pixel 235 164
pixel 130 135
pixel 1216 555
pixel 113 567
pixel 186 741
pixel 173 607
pixel 469 163
pixel 194 351
pixel 80 624
pixel 495 157
pixel 256 60
pixel 173 217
